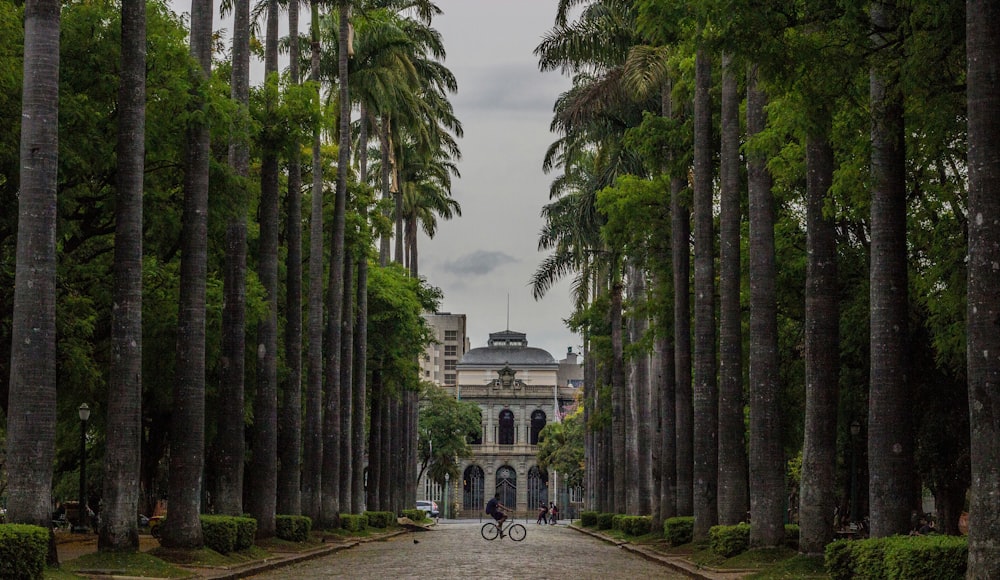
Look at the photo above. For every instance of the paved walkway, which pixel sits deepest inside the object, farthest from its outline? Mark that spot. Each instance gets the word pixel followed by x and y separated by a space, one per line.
pixel 455 549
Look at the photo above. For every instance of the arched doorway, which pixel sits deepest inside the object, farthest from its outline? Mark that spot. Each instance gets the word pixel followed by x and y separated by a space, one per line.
pixel 507 486
pixel 472 489
pixel 537 424
pixel 538 490
pixel 506 431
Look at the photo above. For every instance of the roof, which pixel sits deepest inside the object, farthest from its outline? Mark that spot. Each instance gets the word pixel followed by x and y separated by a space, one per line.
pixel 507 348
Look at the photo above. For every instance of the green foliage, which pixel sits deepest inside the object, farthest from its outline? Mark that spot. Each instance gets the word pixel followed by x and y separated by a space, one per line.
pixel 560 446
pixel 381 520
pixel 792 536
pixel 415 515
pixel 220 533
pixel 632 525
pixel 354 522
pixel 292 528
pixel 679 530
pixel 605 521
pixel 444 426
pixel 898 558
pixel 22 551
pixel 728 541
pixel 246 531
pixel 588 519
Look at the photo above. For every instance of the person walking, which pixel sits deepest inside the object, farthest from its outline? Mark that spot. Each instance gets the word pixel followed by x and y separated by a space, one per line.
pixel 543 511
pixel 553 513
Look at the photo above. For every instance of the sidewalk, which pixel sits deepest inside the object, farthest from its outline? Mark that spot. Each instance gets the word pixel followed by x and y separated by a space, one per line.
pixel 675 563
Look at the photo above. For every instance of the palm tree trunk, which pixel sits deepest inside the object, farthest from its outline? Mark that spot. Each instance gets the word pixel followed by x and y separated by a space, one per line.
pixel 31 414
pixel 767 461
pixel 187 433
pixel 733 493
pixel 360 380
pixel 290 422
pixel 706 402
pixel 819 448
pixel 983 49
pixel 119 531
pixel 890 422
pixel 347 390
pixel 618 396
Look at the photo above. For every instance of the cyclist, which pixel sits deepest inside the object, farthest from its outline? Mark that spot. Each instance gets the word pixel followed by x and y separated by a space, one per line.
pixel 496 509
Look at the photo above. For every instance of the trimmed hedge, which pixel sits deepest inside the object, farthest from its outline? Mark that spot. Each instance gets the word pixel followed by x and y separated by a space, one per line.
pixel 792 536
pixel 728 541
pixel 381 519
pixel 588 519
pixel 292 528
pixel 415 515
pixel 354 522
pixel 23 549
pixel 246 531
pixel 679 530
pixel 605 521
pixel 632 525
pixel 220 533
pixel 898 558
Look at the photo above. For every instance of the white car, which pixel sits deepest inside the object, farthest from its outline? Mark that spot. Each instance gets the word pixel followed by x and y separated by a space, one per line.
pixel 430 508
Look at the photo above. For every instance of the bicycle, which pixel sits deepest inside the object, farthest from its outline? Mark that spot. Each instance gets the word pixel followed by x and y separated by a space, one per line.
pixel 492 530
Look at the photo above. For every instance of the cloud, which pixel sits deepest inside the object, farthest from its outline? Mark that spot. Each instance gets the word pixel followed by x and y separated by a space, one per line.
pixel 478 263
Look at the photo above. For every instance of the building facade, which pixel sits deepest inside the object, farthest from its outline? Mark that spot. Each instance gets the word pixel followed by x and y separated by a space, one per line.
pixel 519 389
pixel 440 359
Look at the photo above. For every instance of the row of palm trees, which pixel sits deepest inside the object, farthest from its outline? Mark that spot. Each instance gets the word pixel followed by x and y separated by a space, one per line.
pixel 866 124
pixel 308 449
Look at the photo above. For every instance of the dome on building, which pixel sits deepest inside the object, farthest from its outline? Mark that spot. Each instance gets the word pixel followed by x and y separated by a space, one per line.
pixel 507 348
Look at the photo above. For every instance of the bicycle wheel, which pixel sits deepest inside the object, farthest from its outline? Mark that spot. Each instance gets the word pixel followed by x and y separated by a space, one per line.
pixel 490 531
pixel 517 532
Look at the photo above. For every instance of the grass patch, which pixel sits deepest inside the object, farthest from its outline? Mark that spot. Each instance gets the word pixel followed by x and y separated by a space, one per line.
pixel 123 564
pixel 797 566
pixel 279 545
pixel 206 557
pixel 59 574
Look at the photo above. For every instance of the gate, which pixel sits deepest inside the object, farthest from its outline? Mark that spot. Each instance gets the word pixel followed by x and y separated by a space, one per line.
pixel 472 490
pixel 507 486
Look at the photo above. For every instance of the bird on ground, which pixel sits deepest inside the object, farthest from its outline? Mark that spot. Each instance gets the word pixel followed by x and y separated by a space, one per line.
pixel 415 541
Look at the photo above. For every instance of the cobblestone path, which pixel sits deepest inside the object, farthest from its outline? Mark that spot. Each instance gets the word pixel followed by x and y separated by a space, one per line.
pixel 455 549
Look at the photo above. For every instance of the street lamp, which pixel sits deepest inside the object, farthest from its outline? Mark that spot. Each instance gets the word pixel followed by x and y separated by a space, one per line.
pixel 447 478
pixel 855 431
pixel 84 412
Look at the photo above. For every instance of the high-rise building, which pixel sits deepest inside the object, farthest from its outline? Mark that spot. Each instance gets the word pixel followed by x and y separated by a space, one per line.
pixel 440 359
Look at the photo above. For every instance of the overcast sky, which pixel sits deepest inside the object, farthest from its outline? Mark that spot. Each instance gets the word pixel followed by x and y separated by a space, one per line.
pixel 488 255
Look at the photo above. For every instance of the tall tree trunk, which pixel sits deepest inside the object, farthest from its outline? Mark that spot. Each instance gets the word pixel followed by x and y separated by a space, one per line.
pixel 385 146
pixel 31 414
pixel 618 395
pixel 360 380
pixel 819 448
pixel 706 401
pixel 667 386
pixel 187 433
pixel 347 385
pixel 983 49
pixel 767 461
pixel 264 475
pixel 890 422
pixel 312 444
pixel 290 422
pixel 332 425
pixel 644 408
pixel 119 530
pixel 230 445
pixel 733 493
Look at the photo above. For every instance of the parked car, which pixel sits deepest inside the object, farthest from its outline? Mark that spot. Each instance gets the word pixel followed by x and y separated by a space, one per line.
pixel 430 508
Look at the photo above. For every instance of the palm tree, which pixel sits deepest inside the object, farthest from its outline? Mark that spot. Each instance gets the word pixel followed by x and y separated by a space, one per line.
pixel 119 529
pixel 733 493
pixel 31 418
pixel 983 49
pixel 890 429
pixel 187 435
pixel 264 466
pixel 229 448
pixel 706 402
pixel 767 462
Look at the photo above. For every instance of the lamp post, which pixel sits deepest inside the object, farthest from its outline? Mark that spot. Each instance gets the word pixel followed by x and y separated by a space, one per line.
pixel 84 412
pixel 855 431
pixel 447 506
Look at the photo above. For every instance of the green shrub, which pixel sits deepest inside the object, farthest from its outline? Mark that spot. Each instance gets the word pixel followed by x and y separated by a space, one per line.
pixel 837 560
pixel 792 536
pixel 23 550
pixel 353 522
pixel 246 531
pixel 632 525
pixel 728 541
pixel 588 519
pixel 869 558
pixel 415 515
pixel 605 521
pixel 678 530
pixel 939 557
pixel 617 522
pixel 381 519
pixel 220 533
pixel 292 528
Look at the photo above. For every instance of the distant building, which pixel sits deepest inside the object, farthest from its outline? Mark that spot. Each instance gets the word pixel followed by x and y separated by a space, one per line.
pixel 440 359
pixel 519 389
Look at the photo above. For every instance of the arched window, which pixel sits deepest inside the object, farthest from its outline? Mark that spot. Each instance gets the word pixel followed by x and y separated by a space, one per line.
pixel 506 432
pixel 537 424
pixel 472 489
pixel 538 488
pixel 507 486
